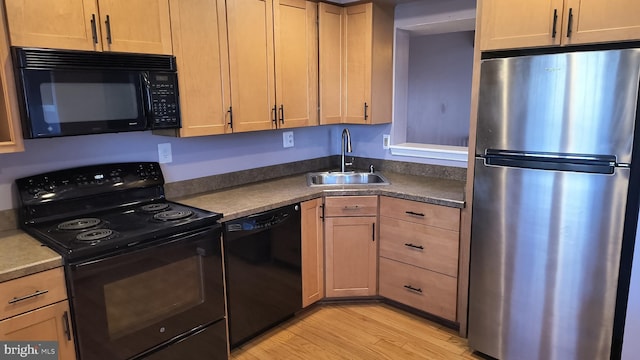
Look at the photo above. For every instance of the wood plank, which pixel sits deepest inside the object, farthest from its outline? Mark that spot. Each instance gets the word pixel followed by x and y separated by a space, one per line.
pixel 356 331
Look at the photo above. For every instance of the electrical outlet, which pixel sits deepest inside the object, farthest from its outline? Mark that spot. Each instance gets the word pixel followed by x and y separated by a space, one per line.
pixel 386 139
pixel 164 153
pixel 287 139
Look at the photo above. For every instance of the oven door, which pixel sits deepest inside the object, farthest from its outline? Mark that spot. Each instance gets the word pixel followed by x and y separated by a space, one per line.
pixel 63 102
pixel 128 303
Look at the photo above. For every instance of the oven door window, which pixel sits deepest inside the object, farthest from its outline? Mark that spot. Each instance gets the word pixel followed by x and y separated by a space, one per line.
pixel 126 304
pixel 62 102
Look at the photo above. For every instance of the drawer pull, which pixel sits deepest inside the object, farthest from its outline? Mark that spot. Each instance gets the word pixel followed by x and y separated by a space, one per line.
pixel 37 293
pixel 413 246
pixel 409 287
pixel 414 213
pixel 353 207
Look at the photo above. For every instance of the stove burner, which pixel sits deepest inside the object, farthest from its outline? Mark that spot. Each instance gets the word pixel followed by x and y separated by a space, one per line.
pixel 79 224
pixel 95 235
pixel 154 207
pixel 173 215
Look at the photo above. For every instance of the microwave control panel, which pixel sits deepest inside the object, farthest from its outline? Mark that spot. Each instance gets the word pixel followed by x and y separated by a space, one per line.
pixel 163 99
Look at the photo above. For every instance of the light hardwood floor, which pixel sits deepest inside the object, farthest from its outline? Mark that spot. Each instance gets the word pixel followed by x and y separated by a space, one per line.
pixel 356 331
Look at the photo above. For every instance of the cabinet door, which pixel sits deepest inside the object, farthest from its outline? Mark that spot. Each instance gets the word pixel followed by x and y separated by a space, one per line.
pixel 199 32
pixel 331 45
pixel 351 258
pixel 10 130
pixel 250 30
pixel 358 40
pixel 312 252
pixel 140 26
pixel 296 56
pixel 63 25
pixel 522 23
pixel 50 323
pixel 602 21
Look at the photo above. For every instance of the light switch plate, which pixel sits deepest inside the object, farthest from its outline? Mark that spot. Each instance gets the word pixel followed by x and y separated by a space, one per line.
pixel 287 139
pixel 164 153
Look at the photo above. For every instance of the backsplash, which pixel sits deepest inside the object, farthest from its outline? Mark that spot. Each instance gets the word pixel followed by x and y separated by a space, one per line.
pixel 178 189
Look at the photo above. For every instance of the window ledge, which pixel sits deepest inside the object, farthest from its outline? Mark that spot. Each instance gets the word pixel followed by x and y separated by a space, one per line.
pixel 431 151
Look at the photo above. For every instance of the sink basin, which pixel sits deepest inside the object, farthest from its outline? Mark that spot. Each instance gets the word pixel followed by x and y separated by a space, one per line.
pixel 345 178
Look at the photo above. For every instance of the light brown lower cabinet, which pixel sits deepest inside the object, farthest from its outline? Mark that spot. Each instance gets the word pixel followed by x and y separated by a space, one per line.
pixel 50 323
pixel 419 245
pixel 420 288
pixel 34 308
pixel 312 251
pixel 351 246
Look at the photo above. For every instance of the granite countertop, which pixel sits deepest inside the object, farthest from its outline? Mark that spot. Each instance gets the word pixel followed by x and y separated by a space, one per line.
pixel 22 255
pixel 250 199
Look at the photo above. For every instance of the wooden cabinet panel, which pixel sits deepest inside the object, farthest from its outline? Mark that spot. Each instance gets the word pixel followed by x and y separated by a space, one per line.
pixel 296 56
pixel 424 246
pixel 514 24
pixel 419 288
pixel 10 129
pixel 358 38
pixel 67 25
pixel 508 24
pixel 141 26
pixel 312 252
pixel 602 21
pixel 356 63
pixel 199 31
pixel 250 31
pixel 49 284
pixel 351 206
pixel 351 257
pixel 420 213
pixel 50 323
pixel 331 44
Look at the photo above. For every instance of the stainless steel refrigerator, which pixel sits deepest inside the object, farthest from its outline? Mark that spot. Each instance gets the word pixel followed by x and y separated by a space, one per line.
pixel 551 181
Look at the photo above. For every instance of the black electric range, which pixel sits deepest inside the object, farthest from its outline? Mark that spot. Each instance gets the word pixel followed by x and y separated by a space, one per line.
pixel 101 209
pixel 144 274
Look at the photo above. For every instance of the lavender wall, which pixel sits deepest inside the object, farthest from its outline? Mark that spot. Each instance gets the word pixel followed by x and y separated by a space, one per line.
pixel 439 92
pixel 192 157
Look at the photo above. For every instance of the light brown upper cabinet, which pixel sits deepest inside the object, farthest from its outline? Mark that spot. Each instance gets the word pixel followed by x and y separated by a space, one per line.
pixel 140 26
pixel 199 31
pixel 10 130
pixel 508 24
pixel 272 61
pixel 356 61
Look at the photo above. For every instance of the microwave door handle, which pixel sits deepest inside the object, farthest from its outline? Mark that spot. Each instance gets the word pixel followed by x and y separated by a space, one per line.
pixel 147 89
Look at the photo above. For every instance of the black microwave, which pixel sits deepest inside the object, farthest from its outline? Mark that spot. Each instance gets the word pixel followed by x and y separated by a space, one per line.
pixel 64 93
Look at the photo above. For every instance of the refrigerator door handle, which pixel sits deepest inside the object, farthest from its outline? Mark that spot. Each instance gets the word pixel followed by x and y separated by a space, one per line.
pixel 585 164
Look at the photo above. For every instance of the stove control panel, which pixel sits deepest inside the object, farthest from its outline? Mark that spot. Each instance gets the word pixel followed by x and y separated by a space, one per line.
pixel 87 181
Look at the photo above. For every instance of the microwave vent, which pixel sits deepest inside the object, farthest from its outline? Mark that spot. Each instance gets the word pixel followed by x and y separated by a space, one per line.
pixel 35 58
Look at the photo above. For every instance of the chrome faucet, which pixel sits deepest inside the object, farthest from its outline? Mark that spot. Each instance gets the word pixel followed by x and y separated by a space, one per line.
pixel 346 147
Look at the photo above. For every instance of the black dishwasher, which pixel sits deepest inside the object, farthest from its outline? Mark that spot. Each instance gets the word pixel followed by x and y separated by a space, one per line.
pixel 263 271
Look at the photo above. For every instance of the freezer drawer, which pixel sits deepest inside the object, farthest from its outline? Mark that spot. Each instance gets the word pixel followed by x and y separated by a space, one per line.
pixel 545 254
pixel 573 103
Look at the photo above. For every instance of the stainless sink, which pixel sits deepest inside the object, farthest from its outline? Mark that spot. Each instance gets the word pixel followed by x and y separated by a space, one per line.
pixel 345 178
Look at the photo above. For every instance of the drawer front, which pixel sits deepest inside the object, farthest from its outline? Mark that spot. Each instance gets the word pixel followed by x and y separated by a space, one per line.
pixel 351 206
pixel 31 292
pixel 424 246
pixel 419 288
pixel 421 213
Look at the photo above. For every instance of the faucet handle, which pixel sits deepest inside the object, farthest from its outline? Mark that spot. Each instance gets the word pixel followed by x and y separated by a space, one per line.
pixel 371 169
